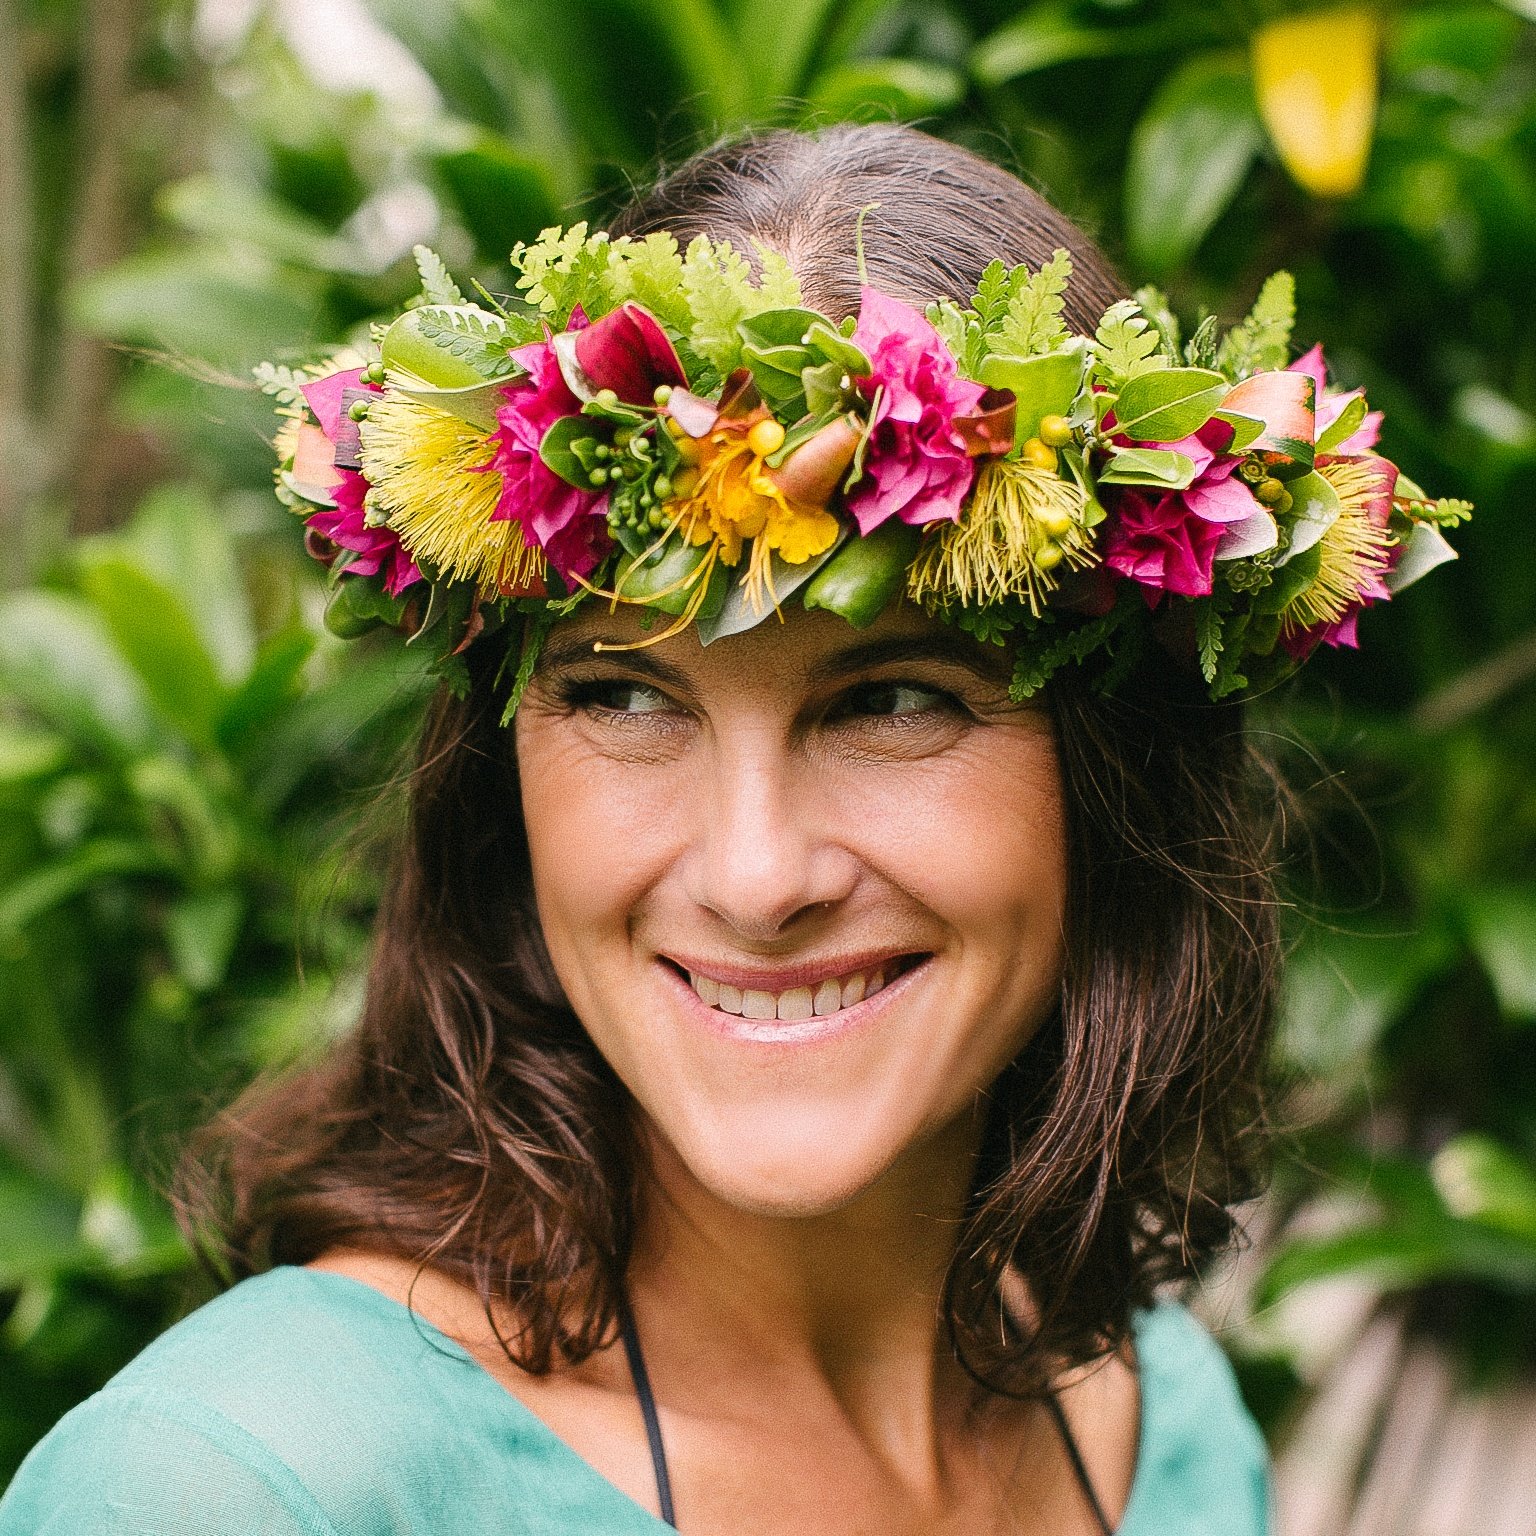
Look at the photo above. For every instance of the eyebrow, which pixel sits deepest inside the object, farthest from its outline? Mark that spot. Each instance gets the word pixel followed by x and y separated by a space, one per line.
pixel 953 649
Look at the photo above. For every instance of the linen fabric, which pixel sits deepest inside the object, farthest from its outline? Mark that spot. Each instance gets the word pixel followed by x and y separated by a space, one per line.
pixel 304 1403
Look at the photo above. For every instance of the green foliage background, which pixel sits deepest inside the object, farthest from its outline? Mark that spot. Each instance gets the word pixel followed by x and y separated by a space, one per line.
pixel 182 750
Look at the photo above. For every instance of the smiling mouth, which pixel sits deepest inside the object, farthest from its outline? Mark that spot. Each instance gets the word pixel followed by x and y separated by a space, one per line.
pixel 826 998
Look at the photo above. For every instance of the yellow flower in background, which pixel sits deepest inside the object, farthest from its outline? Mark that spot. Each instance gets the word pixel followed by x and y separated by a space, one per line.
pixel 1315 77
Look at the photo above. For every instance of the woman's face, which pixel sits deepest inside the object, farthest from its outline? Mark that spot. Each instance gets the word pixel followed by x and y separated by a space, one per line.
pixel 804 887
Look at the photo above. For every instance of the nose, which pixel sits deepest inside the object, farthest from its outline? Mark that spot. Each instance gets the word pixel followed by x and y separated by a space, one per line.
pixel 765 849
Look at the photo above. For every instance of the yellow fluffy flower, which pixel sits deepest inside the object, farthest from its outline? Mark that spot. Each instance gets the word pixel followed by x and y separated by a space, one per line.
pixel 1023 525
pixel 430 484
pixel 1353 549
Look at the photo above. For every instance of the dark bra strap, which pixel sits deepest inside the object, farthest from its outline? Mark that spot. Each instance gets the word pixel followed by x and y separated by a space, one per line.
pixel 642 1381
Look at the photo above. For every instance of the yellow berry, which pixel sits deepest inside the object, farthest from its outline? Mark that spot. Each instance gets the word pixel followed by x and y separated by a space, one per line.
pixel 765 437
pixel 1040 455
pixel 685 482
pixel 1056 524
pixel 689 449
pixel 1269 491
pixel 1055 431
pixel 1048 557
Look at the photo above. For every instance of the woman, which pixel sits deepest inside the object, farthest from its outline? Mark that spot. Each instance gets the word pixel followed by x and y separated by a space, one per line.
pixel 865 1035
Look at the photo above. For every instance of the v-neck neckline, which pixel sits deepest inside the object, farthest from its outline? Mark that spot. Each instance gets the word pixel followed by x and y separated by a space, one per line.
pixel 402 1313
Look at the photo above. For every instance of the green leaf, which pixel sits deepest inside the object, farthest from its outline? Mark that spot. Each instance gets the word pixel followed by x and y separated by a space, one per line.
pixel 1346 424
pixel 238 213
pixel 1047 34
pixel 1261 341
pixel 57 659
pixel 1501 926
pixel 159 640
pixel 1125 345
pixel 565 268
pixel 1043 386
pixel 876 90
pixel 1033 320
pixel 557 451
pixel 64 878
pixel 1481 1180
pixel 1343 990
pixel 1315 509
pixel 273 683
pixel 39 1225
pixel 179 536
pixel 1189 154
pixel 201 930
pixel 1169 404
pixel 1165 468
pixel 501 192
pixel 437 287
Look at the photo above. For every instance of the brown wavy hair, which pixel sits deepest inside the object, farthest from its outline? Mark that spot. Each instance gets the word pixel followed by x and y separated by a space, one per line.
pixel 470 1123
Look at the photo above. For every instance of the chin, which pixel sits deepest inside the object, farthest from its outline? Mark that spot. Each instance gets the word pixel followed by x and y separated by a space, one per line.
pixel 788 1161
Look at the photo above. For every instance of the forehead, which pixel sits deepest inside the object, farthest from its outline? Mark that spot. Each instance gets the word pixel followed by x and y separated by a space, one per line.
pixel 794 648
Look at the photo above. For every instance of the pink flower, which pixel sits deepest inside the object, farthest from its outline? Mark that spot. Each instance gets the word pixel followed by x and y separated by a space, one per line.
pixel 917 465
pixel 1330 406
pixel 1170 543
pixel 566 522
pixel 377 550
pixel 1162 545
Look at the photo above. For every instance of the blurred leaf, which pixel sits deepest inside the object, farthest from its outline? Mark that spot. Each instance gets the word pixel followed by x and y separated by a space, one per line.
pixel 38 1225
pixel 57 659
pixel 1501 925
pixel 503 194
pixel 201 931
pixel 224 210
pixel 1480 1180
pixel 1188 156
pixel 29 754
pixel 1343 990
pixel 160 641
pixel 876 89
pixel 199 306
pixel 273 682
pixel 50 884
pixel 178 536
pixel 1045 35
pixel 1315 78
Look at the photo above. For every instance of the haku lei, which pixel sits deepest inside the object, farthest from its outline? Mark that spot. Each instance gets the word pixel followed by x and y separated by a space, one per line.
pixel 674 429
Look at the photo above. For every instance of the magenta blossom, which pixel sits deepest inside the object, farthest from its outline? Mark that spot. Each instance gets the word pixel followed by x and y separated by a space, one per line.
pixel 378 551
pixel 1331 405
pixel 567 523
pixel 1159 543
pixel 1169 543
pixel 917 465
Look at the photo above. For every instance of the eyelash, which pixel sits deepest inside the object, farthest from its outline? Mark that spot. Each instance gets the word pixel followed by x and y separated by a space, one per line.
pixel 595 695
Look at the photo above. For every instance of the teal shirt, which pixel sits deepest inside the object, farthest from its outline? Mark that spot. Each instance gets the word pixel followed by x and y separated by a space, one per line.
pixel 303 1403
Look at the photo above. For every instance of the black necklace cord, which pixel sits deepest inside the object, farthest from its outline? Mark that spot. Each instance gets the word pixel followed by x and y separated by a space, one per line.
pixel 1075 1456
pixel 642 1380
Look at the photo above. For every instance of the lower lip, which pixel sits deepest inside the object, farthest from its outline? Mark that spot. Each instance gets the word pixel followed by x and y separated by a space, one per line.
pixel 812 1031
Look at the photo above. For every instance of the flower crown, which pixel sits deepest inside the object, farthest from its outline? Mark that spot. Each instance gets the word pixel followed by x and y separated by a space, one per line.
pixel 676 430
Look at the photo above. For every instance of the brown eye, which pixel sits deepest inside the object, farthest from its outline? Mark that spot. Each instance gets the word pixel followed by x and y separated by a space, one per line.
pixel 896 700
pixel 618 696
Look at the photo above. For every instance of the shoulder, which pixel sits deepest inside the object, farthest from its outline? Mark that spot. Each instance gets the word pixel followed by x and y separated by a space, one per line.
pixel 283 1406
pixel 1202 1467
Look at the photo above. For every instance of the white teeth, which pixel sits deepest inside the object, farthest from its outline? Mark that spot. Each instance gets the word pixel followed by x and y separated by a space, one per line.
pixel 759 1005
pixel 797 1003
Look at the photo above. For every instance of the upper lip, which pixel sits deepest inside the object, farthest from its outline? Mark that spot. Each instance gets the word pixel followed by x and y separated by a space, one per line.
pixel 782 978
